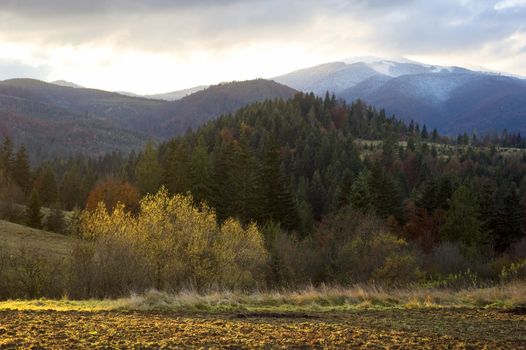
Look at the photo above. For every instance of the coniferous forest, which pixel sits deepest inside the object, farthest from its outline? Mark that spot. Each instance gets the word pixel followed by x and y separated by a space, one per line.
pixel 282 193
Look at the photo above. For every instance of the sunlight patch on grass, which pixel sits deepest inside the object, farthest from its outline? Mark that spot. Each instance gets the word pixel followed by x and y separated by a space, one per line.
pixel 323 299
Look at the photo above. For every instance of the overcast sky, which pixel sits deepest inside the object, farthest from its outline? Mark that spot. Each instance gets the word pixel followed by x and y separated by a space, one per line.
pixel 153 46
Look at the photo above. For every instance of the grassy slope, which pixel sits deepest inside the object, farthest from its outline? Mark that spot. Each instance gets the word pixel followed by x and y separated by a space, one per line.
pixel 13 236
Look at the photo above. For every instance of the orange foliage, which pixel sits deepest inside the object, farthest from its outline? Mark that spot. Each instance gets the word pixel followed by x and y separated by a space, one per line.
pixel 422 226
pixel 112 191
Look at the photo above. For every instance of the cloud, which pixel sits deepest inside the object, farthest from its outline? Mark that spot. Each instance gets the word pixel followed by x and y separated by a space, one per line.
pixel 507 4
pixel 98 34
pixel 16 69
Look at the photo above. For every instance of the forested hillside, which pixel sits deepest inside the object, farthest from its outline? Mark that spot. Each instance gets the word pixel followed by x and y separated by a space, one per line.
pixel 328 184
pixel 52 120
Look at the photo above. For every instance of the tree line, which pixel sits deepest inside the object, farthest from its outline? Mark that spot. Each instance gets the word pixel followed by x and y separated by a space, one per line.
pixel 327 183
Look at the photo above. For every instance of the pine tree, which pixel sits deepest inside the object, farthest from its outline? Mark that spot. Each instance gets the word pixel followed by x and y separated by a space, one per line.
pixel 34 215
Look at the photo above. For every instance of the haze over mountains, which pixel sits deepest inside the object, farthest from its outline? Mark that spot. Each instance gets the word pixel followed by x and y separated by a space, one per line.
pixel 67 118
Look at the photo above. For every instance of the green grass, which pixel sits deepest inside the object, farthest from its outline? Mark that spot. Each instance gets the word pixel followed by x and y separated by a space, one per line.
pixel 16 237
pixel 326 299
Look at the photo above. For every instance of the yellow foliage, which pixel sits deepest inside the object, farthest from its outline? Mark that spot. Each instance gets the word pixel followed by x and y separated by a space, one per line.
pixel 182 241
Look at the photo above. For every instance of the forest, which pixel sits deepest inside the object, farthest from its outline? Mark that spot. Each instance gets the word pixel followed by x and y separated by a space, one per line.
pixel 282 193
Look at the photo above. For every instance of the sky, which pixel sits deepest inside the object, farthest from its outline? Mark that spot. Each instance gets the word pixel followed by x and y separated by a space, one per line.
pixel 158 46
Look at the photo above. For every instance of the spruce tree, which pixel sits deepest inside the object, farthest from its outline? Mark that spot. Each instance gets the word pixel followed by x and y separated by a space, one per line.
pixel 22 171
pixel 361 196
pixel 34 215
pixel 48 190
pixel 200 173
pixel 55 219
pixel 148 171
pixel 509 225
pixel 462 220
pixel 277 203
pixel 7 160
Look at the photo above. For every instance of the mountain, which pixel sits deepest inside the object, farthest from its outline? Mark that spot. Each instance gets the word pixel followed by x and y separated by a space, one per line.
pixel 177 95
pixel 451 99
pixel 66 84
pixel 49 118
pixel 198 108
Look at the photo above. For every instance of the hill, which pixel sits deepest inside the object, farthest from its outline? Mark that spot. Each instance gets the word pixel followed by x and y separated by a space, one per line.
pixel 51 119
pixel 15 237
pixel 202 106
pixel 177 95
pixel 451 99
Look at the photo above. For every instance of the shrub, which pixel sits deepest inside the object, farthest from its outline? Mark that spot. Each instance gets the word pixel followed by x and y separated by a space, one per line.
pixel 180 245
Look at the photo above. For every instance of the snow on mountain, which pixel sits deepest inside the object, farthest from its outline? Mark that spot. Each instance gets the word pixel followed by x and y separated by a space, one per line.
pixel 450 98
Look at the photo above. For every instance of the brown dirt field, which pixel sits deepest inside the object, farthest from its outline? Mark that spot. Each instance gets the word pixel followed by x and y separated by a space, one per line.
pixel 371 329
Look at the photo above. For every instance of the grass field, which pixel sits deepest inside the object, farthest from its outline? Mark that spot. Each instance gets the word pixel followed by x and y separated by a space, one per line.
pixel 13 237
pixel 359 317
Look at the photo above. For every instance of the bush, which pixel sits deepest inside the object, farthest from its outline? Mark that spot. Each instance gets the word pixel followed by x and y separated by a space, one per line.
pixel 445 259
pixel 179 245
pixel 27 273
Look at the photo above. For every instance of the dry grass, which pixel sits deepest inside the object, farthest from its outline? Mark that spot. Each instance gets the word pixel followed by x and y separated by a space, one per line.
pixel 14 237
pixel 324 299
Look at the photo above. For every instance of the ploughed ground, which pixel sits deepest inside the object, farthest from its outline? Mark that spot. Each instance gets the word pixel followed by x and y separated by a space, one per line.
pixel 453 328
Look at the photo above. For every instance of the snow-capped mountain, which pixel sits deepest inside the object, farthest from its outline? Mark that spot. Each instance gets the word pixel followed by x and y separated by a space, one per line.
pixel 452 99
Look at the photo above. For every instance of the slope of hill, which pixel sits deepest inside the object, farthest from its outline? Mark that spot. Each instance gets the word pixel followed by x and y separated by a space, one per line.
pixel 66 84
pixel 14 237
pixel 177 95
pixel 452 99
pixel 202 106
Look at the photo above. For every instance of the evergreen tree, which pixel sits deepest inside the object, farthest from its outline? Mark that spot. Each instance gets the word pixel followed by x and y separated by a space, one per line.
pixel 148 171
pixel 73 189
pixel 462 220
pixel 200 173
pixel 277 203
pixel 55 219
pixel 317 195
pixel 34 215
pixel 22 171
pixel 7 160
pixel 177 167
pixel 424 135
pixel 387 198
pixel 48 189
pixel 434 136
pixel 509 225
pixel 244 186
pixel 361 197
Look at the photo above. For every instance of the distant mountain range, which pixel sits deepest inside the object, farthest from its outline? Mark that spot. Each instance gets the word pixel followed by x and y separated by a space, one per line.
pixel 50 118
pixel 451 99
pixel 63 117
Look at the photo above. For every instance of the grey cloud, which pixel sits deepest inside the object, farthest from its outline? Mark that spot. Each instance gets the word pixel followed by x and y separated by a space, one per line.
pixel 402 26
